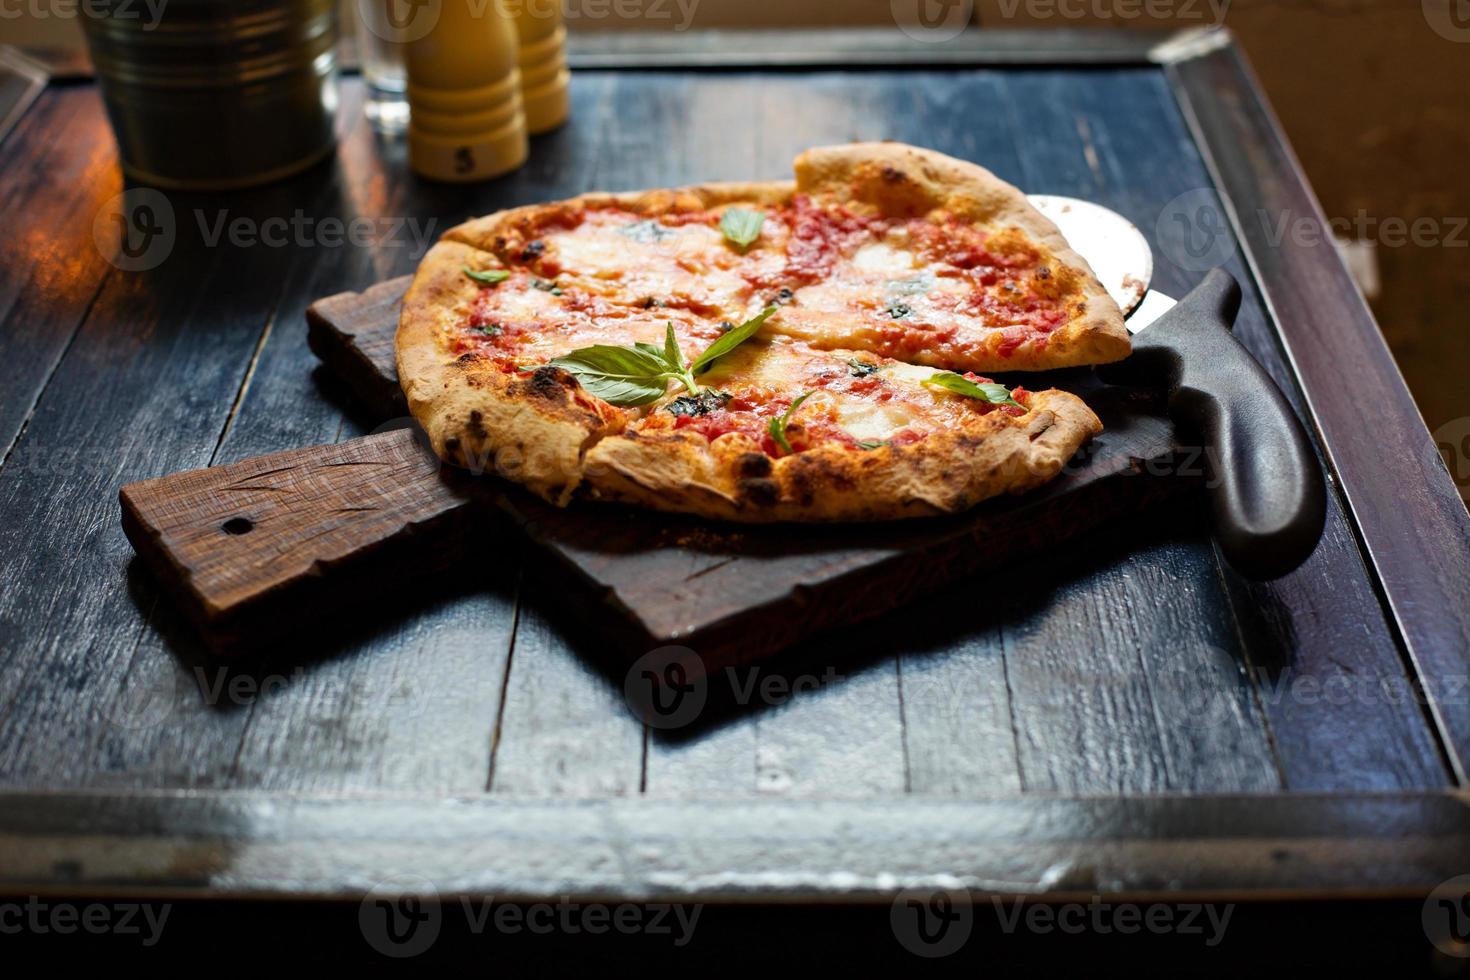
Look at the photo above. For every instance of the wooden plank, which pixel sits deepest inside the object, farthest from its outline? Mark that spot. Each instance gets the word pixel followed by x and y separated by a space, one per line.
pixel 1324 614
pixel 144 389
pixel 832 851
pixel 1114 697
pixel 399 694
pixel 565 730
pixel 726 49
pixel 51 266
pixel 1323 623
pixel 264 538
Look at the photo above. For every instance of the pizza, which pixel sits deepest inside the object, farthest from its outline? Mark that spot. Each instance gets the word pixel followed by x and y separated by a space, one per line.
pixel 783 351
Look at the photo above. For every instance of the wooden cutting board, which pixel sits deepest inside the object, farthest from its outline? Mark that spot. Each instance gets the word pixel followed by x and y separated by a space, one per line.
pixel 251 548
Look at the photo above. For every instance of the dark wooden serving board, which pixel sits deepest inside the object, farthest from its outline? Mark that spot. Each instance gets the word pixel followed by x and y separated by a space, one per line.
pixel 247 547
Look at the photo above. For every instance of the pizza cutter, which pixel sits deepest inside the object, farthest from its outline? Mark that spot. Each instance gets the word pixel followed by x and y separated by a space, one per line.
pixel 1265 485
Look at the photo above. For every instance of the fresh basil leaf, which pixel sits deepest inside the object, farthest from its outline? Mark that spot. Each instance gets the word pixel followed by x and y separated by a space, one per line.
pixel 546 286
pixel 648 232
pixel 489 276
pixel 777 426
pixel 706 401
pixel 742 226
pixel 986 391
pixel 730 340
pixel 617 375
pixel 672 357
pixel 488 329
pixel 861 369
pixel 872 444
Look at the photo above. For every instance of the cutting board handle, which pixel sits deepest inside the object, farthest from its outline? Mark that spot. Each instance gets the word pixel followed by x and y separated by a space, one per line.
pixel 244 543
pixel 1266 489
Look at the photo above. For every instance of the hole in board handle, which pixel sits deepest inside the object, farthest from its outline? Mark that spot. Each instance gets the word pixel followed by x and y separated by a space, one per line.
pixel 238 525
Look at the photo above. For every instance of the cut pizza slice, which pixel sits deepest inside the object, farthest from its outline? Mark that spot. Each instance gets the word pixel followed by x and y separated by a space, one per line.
pixel 926 258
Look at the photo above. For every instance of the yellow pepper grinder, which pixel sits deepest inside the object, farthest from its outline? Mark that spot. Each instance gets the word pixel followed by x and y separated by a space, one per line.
pixel 466 117
pixel 544 74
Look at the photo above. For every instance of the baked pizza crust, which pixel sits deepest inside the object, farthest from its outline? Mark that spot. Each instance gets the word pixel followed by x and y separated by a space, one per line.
pixel 946 473
pixel 902 180
pixel 541 429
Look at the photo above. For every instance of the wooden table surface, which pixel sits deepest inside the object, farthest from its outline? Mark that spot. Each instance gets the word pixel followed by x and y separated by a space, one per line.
pixel 1134 663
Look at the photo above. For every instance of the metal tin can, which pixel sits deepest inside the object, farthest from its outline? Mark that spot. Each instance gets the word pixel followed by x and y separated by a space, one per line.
pixel 217 94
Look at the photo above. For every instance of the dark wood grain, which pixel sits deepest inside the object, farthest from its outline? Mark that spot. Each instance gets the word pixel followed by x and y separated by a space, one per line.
pixel 1418 541
pixel 1228 847
pixel 146 387
pixel 399 692
pixel 260 541
pixel 1325 614
pixel 50 270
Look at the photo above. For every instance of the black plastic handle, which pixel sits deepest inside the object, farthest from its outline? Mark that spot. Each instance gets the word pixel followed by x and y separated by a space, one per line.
pixel 1265 486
